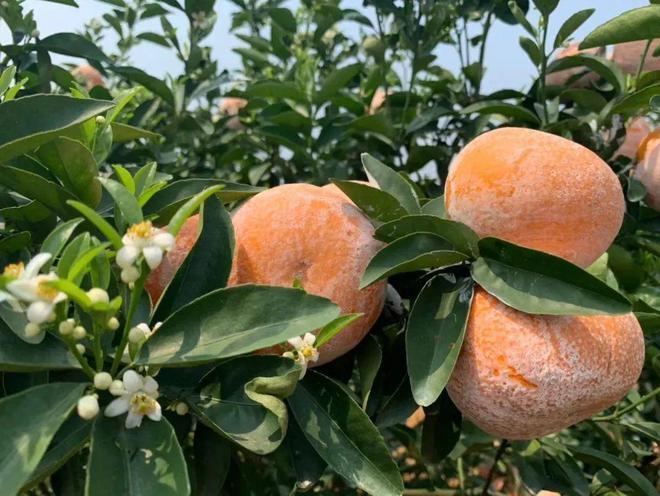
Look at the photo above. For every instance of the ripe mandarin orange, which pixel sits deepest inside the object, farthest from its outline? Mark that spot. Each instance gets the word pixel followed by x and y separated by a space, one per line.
pixel 303 232
pixel 521 376
pixel 89 76
pixel 537 190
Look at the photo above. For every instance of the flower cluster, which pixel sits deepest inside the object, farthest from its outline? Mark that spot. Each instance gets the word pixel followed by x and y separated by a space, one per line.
pixel 31 292
pixel 303 351
pixel 142 240
pixel 137 396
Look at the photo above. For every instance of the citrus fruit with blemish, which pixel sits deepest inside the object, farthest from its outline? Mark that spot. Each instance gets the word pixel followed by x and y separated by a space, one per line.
pixel 522 376
pixel 312 235
pixel 537 190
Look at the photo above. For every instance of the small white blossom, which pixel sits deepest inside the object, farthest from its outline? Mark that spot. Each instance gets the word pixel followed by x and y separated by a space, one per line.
pixel 102 380
pixel 32 288
pixel 88 406
pixel 98 295
pixel 144 240
pixel 303 351
pixel 137 399
pixel 113 323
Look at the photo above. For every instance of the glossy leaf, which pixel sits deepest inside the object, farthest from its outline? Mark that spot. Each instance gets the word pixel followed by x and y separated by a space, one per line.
pixel 375 203
pixel 72 44
pixel 233 321
pixel 31 418
pixel 145 461
pixel 409 253
pixel 391 182
pixel 207 265
pixel 434 335
pixel 535 282
pixel 461 237
pixel 58 238
pixel 441 430
pixel 338 429
pixel 190 207
pixel 307 463
pixel 503 108
pixel 571 25
pixel 242 400
pixel 124 200
pixel 99 222
pixel 334 327
pixel 33 120
pixel 212 458
pixel 369 359
pixel 632 25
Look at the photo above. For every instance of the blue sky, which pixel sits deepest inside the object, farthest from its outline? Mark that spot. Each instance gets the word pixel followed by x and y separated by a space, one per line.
pixel 508 66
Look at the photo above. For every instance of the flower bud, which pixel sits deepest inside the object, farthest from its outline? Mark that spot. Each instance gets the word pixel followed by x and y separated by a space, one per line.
pixel 136 335
pixel 32 329
pixel 181 408
pixel 130 274
pixel 98 295
pixel 102 380
pixel 80 348
pixel 79 332
pixel 88 407
pixel 116 388
pixel 113 324
pixel 35 33
pixel 100 120
pixel 66 327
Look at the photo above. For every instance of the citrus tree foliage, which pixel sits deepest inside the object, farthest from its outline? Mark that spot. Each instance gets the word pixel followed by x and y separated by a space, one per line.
pixel 95 180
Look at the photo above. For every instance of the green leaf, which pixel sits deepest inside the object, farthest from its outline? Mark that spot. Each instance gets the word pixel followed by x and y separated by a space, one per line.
pixel 233 321
pixel 207 266
pixel 283 18
pixel 391 182
pixel 338 429
pixel 209 446
pixel 571 25
pixel 307 463
pixel 441 430
pixel 488 107
pixel 337 80
pixel 153 84
pixel 189 208
pixel 461 237
pixel 68 440
pixel 434 335
pixel 17 355
pixel 75 166
pixel 125 178
pixel 546 7
pixel 410 253
pixel 58 238
pixel 72 44
pixel 635 102
pixel 589 99
pixel 519 15
pixel 607 69
pixel 122 133
pixel 124 200
pixel 33 120
pixel 36 187
pixel 31 418
pixel 436 207
pixel 83 262
pixel 242 400
pixel 618 468
pixel 6 78
pixel 101 224
pixel 632 25
pixel 334 327
pixel 369 359
pixel 649 429
pixel 375 203
pixel 539 283
pixel 146 461
pixel 275 89
pixel 531 49
pixel 71 252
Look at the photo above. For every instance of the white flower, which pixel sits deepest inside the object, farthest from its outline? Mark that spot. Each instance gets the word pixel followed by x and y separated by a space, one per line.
pixel 141 332
pixel 146 240
pixel 31 287
pixel 138 398
pixel 304 351
pixel 88 406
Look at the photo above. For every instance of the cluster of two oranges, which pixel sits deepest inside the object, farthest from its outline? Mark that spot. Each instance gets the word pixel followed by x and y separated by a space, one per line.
pixel 518 376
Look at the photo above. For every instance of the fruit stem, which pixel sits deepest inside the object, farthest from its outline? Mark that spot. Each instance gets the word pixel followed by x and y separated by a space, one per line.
pixel 632 406
pixel 491 472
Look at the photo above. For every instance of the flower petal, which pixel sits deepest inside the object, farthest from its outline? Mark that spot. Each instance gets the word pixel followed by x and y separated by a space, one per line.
pixel 150 386
pixel 127 255
pixel 24 289
pixel 156 414
pixel 289 354
pixel 296 342
pixel 33 268
pixel 118 406
pixel 314 357
pixel 39 311
pixel 132 381
pixel 303 369
pixel 309 338
pixel 133 420
pixel 153 255
pixel 163 240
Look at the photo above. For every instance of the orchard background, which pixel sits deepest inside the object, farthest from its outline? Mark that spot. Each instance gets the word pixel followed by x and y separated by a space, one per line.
pixel 92 145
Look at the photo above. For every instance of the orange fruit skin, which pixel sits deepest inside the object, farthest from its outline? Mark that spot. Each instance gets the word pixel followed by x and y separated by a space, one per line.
pixel 636 131
pixel 628 55
pixel 560 78
pixel 305 232
pixel 537 190
pixel 89 75
pixel 648 169
pixel 161 276
pixel 522 376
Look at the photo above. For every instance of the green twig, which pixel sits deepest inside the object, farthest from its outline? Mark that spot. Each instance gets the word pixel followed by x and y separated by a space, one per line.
pixel 135 300
pixel 491 472
pixel 632 406
pixel 81 359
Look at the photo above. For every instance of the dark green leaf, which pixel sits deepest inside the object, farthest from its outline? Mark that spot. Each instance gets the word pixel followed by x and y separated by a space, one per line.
pixel 519 16
pixel 441 430
pixel 571 25
pixel 409 253
pixel 307 463
pixel 375 203
pixel 31 419
pixel 207 266
pixel 212 458
pixel 33 120
pixel 144 461
pixel 636 101
pixel 275 89
pixel 369 358
pixel 283 18
pixel 632 25
pixel 535 282
pixel 58 237
pixel 125 201
pixel 506 109
pixel 338 429
pixel 336 81
pixel 233 321
pixel 531 49
pixel 72 44
pixel 546 7
pixel 334 327
pixel 391 182
pixel 434 335
pixel 607 69
pixel 121 133
pixel 153 84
